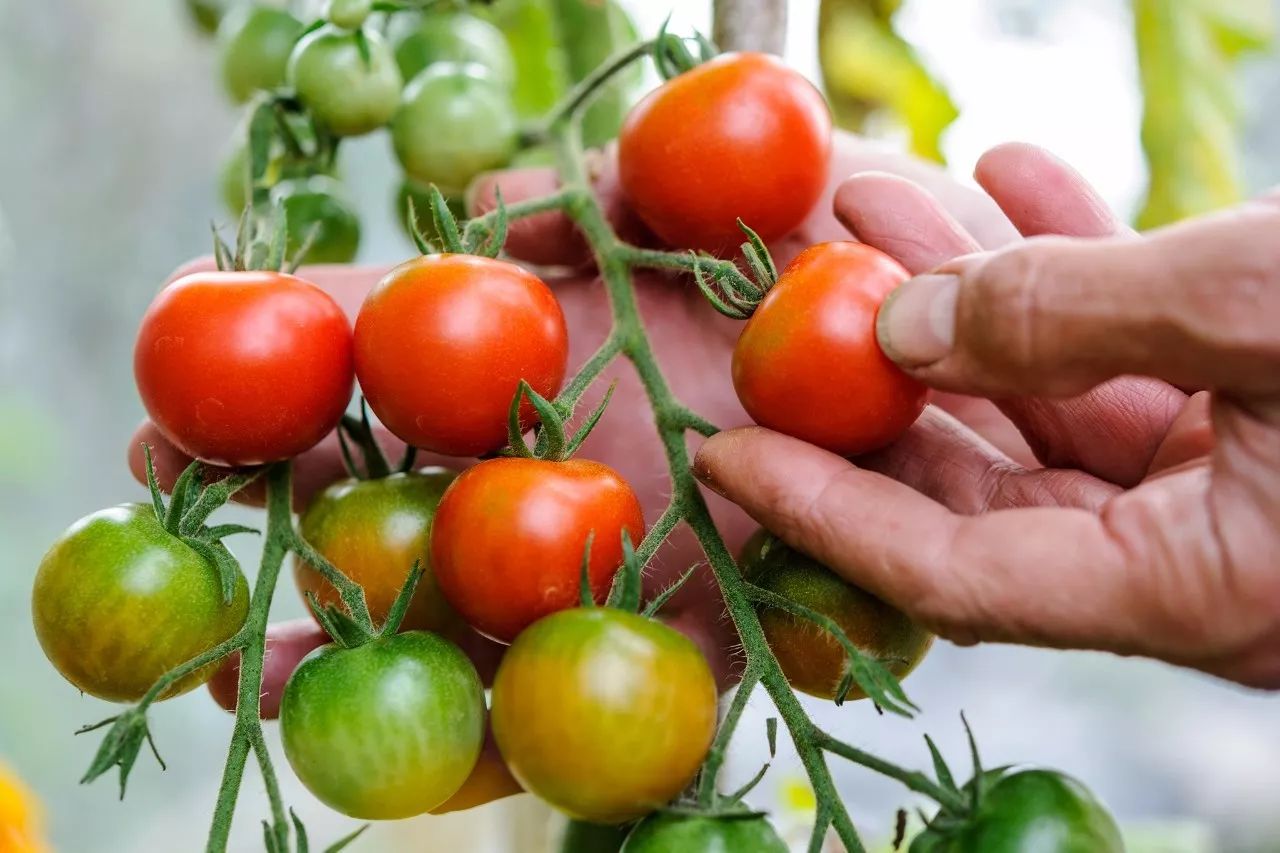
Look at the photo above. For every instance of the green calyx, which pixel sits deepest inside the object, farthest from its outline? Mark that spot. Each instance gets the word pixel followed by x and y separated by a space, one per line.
pixel 724 285
pixel 486 241
pixel 553 443
pixel 672 55
pixel 359 431
pixel 350 633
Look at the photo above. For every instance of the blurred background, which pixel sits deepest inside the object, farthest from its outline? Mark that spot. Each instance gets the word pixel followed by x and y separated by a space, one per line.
pixel 112 124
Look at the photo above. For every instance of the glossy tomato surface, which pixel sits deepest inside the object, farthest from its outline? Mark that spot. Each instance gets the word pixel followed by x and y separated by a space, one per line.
pixel 388 730
pixel 442 343
pixel 669 832
pixel 510 534
pixel 242 368
pixel 811 658
pixel 254 42
pixel 320 217
pixel 742 136
pixel 604 714
pixel 374 531
pixel 118 601
pixel 1031 811
pixel 807 363
pixel 456 36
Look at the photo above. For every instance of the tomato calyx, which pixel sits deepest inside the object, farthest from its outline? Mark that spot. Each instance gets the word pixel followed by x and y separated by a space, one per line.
pixel 486 241
pixel 553 443
pixel 275 836
pixel 671 53
pixel 359 431
pixel 728 290
pixel 350 633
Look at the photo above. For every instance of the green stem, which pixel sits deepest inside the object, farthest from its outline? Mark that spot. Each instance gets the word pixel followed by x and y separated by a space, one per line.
pixel 658 533
pixel 248 726
pixel 279 823
pixel 588 373
pixel 351 593
pixel 914 780
pixel 485 223
pixel 586 88
pixel 720 747
pixel 178 673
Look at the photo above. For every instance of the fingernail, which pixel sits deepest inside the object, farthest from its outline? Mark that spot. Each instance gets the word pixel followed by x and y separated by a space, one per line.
pixel 917 323
pixel 702 471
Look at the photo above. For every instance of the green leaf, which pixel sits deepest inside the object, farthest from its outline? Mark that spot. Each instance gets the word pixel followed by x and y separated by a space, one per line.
pixel 1187 55
pixel 625 592
pixel 121 746
pixel 940 768
pixel 868 69
pixel 184 489
pixel 590 423
pixel 342 843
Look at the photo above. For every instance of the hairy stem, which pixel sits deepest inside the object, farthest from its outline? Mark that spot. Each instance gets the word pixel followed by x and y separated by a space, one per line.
pixel 914 780
pixel 720 747
pixel 351 593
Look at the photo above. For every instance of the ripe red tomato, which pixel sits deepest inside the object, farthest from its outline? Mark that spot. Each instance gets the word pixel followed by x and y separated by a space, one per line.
pixel 509 536
pixel 807 363
pixel 442 343
pixel 242 368
pixel 604 714
pixel 740 136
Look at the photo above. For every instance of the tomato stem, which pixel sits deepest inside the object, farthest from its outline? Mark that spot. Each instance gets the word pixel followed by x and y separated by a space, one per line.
pixel 914 780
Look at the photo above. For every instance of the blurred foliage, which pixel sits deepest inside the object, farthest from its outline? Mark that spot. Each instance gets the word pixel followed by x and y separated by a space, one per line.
pixel 1187 55
pixel 871 72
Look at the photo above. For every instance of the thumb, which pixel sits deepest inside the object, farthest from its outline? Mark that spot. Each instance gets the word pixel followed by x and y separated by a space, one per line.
pixel 1196 304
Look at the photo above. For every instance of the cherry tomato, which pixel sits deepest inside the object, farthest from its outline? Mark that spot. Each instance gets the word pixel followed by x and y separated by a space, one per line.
pixel 118 601
pixel 345 94
pixel 387 730
pixel 666 832
pixel 490 780
pixel 374 531
pixel 318 203
pixel 242 368
pixel 1031 810
pixel 604 714
pixel 287 644
pixel 348 14
pixel 807 363
pixel 442 343
pixel 254 43
pixel 453 124
pixel 740 136
pixel 509 537
pixel 456 36
pixel 811 658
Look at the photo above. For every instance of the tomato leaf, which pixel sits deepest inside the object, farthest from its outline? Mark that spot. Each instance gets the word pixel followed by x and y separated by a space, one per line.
pixel 342 843
pixel 869 71
pixel 551 442
pixel 399 607
pixel 188 481
pixel 446 224
pixel 1187 56
pixel 121 746
pixel 940 768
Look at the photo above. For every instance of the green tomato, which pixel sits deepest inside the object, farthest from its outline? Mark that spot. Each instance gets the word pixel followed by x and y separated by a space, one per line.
pixel 456 37
pixel 206 14
pixel 668 832
pixel 453 125
pixel 387 730
pixel 348 14
pixel 1032 811
pixel 118 601
pixel 319 203
pixel 421 197
pixel 254 43
pixel 344 93
pixel 811 658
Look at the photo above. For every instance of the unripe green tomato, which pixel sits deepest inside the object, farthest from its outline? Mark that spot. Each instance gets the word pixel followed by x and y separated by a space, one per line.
pixel 672 832
pixel 254 43
pixel 318 202
pixel 454 124
pixel 348 14
pixel 387 730
pixel 456 37
pixel 810 657
pixel 118 601
pixel 343 93
pixel 421 196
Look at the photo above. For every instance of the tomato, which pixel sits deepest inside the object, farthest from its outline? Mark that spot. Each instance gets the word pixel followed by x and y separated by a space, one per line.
pixel 387 730
pixel 411 189
pixel 242 368
pixel 118 601
pixel 456 36
pixel 810 657
pixel 254 43
pixel 665 832
pixel 344 93
pixel 452 125
pixel 348 14
pixel 604 714
pixel 510 534
pixel 321 203
pixel 287 644
pixel 442 343
pixel 490 780
pixel 740 136
pixel 807 363
pixel 1033 810
pixel 374 531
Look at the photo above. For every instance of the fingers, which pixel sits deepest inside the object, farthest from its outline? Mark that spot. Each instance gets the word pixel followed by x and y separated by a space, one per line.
pixel 902 220
pixel 1195 305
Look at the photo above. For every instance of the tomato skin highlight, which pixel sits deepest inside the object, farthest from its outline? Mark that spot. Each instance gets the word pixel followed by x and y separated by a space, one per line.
pixel 668 832
pixel 740 136
pixel 811 658
pixel 374 531
pixel 442 342
pixel 807 363
pixel 604 714
pixel 1031 811
pixel 244 368
pixel 388 730
pixel 118 601
pixel 509 537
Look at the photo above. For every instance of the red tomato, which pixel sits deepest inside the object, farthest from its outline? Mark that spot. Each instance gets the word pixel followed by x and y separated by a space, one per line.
pixel 509 535
pixel 242 368
pixel 740 136
pixel 807 363
pixel 442 343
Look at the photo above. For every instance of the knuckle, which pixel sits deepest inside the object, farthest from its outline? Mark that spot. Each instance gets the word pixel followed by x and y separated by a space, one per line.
pixel 1002 311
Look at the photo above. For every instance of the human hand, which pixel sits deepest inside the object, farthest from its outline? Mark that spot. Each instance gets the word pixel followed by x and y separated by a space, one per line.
pixel 1155 530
